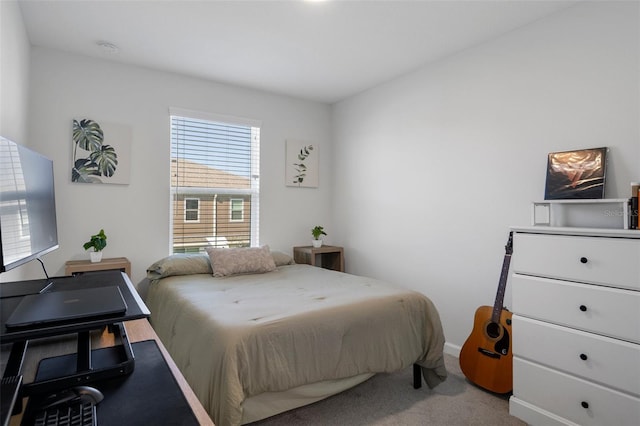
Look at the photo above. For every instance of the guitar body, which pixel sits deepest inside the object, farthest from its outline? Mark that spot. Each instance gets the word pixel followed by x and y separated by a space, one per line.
pixel 486 358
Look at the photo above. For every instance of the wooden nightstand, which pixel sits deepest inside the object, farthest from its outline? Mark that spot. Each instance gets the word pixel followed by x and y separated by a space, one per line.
pixel 74 267
pixel 328 257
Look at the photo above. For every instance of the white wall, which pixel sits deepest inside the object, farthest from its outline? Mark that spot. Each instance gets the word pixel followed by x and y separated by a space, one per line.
pixel 14 84
pixel 14 72
pixel 135 217
pixel 432 169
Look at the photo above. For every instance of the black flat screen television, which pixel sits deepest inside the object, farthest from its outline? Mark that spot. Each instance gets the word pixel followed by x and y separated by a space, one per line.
pixel 28 226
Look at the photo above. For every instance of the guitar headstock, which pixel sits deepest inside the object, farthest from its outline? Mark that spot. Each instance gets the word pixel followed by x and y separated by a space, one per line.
pixel 509 247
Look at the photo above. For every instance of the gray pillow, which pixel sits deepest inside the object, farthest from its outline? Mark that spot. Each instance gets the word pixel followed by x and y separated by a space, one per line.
pixel 180 264
pixel 282 259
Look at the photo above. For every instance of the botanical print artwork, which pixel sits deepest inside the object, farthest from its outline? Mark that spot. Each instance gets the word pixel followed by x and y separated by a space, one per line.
pixel 100 152
pixel 302 164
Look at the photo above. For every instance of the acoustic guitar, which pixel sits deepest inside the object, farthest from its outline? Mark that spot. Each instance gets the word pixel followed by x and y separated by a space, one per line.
pixel 486 358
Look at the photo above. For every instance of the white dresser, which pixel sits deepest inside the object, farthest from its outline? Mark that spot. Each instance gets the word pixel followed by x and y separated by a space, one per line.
pixel 576 326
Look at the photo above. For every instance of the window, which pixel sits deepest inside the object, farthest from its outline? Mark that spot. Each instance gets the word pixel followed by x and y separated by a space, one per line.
pixel 191 209
pixel 214 181
pixel 237 207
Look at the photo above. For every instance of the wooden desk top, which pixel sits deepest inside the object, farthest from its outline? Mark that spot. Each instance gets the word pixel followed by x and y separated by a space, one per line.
pixel 137 330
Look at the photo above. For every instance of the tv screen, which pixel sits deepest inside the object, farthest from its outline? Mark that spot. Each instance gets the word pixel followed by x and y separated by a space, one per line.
pixel 28 224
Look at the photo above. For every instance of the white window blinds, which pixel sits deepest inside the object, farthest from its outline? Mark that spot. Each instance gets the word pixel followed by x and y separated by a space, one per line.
pixel 215 182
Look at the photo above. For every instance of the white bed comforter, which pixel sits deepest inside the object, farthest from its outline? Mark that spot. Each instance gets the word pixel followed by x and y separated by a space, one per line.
pixel 239 336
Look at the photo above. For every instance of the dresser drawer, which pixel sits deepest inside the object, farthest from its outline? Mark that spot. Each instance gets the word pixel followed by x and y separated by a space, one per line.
pixel 599 260
pixel 603 310
pixel 564 395
pixel 613 363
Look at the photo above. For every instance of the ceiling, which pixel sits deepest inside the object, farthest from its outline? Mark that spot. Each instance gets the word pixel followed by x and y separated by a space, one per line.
pixel 322 51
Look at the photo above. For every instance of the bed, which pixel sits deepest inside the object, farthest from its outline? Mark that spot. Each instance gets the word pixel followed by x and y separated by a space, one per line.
pixel 258 340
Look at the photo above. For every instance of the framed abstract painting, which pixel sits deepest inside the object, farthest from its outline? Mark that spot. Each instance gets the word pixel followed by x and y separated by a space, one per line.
pixel 578 174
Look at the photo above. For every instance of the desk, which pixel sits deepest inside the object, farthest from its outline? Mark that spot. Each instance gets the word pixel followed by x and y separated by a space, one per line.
pixel 64 339
pixel 73 267
pixel 137 330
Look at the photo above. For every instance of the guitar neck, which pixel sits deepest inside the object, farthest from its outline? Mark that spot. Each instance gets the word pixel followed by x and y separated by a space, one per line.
pixel 497 306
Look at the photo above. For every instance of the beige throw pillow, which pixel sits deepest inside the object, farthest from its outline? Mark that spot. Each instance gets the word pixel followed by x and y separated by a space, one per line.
pixel 246 260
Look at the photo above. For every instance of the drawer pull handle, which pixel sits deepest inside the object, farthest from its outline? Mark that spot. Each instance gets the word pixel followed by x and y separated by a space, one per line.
pixel 583 308
pixel 583 357
pixel 583 260
pixel 584 404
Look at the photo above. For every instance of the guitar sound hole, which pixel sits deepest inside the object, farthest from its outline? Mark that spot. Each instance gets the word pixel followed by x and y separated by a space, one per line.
pixel 493 330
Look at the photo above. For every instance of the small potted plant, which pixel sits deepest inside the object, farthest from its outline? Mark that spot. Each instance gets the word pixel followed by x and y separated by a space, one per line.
pixel 98 242
pixel 317 232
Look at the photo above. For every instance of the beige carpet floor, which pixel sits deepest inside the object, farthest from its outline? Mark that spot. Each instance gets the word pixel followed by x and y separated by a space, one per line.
pixel 389 399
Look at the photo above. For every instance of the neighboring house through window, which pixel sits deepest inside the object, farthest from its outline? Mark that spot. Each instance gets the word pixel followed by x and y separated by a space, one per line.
pixel 215 181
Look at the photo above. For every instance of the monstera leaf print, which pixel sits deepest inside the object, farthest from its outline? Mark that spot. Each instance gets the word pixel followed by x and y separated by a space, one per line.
pixel 87 135
pixel 102 159
pixel 85 171
pixel 106 160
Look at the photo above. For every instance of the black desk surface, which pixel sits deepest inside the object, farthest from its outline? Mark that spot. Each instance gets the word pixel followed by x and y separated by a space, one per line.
pixel 150 395
pixel 11 293
pixel 136 393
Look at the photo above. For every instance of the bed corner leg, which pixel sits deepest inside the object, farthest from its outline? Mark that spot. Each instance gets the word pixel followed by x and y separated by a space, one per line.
pixel 417 376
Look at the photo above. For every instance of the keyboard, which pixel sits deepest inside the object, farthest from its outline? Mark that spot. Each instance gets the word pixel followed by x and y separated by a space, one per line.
pixel 76 413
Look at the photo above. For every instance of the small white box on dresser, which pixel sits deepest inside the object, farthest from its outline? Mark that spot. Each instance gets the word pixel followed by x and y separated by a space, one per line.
pixel 576 326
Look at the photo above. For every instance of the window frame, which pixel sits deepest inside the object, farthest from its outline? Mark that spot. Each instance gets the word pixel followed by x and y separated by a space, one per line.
pixel 253 192
pixel 186 210
pixel 231 210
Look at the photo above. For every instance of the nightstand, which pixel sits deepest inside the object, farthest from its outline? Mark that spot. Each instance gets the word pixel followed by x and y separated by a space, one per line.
pixel 74 267
pixel 328 257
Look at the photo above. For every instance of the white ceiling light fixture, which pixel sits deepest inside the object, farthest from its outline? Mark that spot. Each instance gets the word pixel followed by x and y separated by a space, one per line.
pixel 107 47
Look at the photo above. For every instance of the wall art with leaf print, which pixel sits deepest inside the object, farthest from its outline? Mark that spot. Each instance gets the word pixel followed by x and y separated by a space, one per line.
pixel 301 164
pixel 101 152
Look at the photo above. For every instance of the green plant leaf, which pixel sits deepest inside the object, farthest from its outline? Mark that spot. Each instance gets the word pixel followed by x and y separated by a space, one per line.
pixel 98 241
pixel 106 160
pixel 304 152
pixel 85 171
pixel 87 135
pixel 300 167
pixel 317 231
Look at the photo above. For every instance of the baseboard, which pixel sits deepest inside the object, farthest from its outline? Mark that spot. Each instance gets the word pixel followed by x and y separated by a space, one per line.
pixel 451 349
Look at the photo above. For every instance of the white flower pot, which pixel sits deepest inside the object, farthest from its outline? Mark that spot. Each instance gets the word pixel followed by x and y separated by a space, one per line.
pixel 96 256
pixel 316 243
